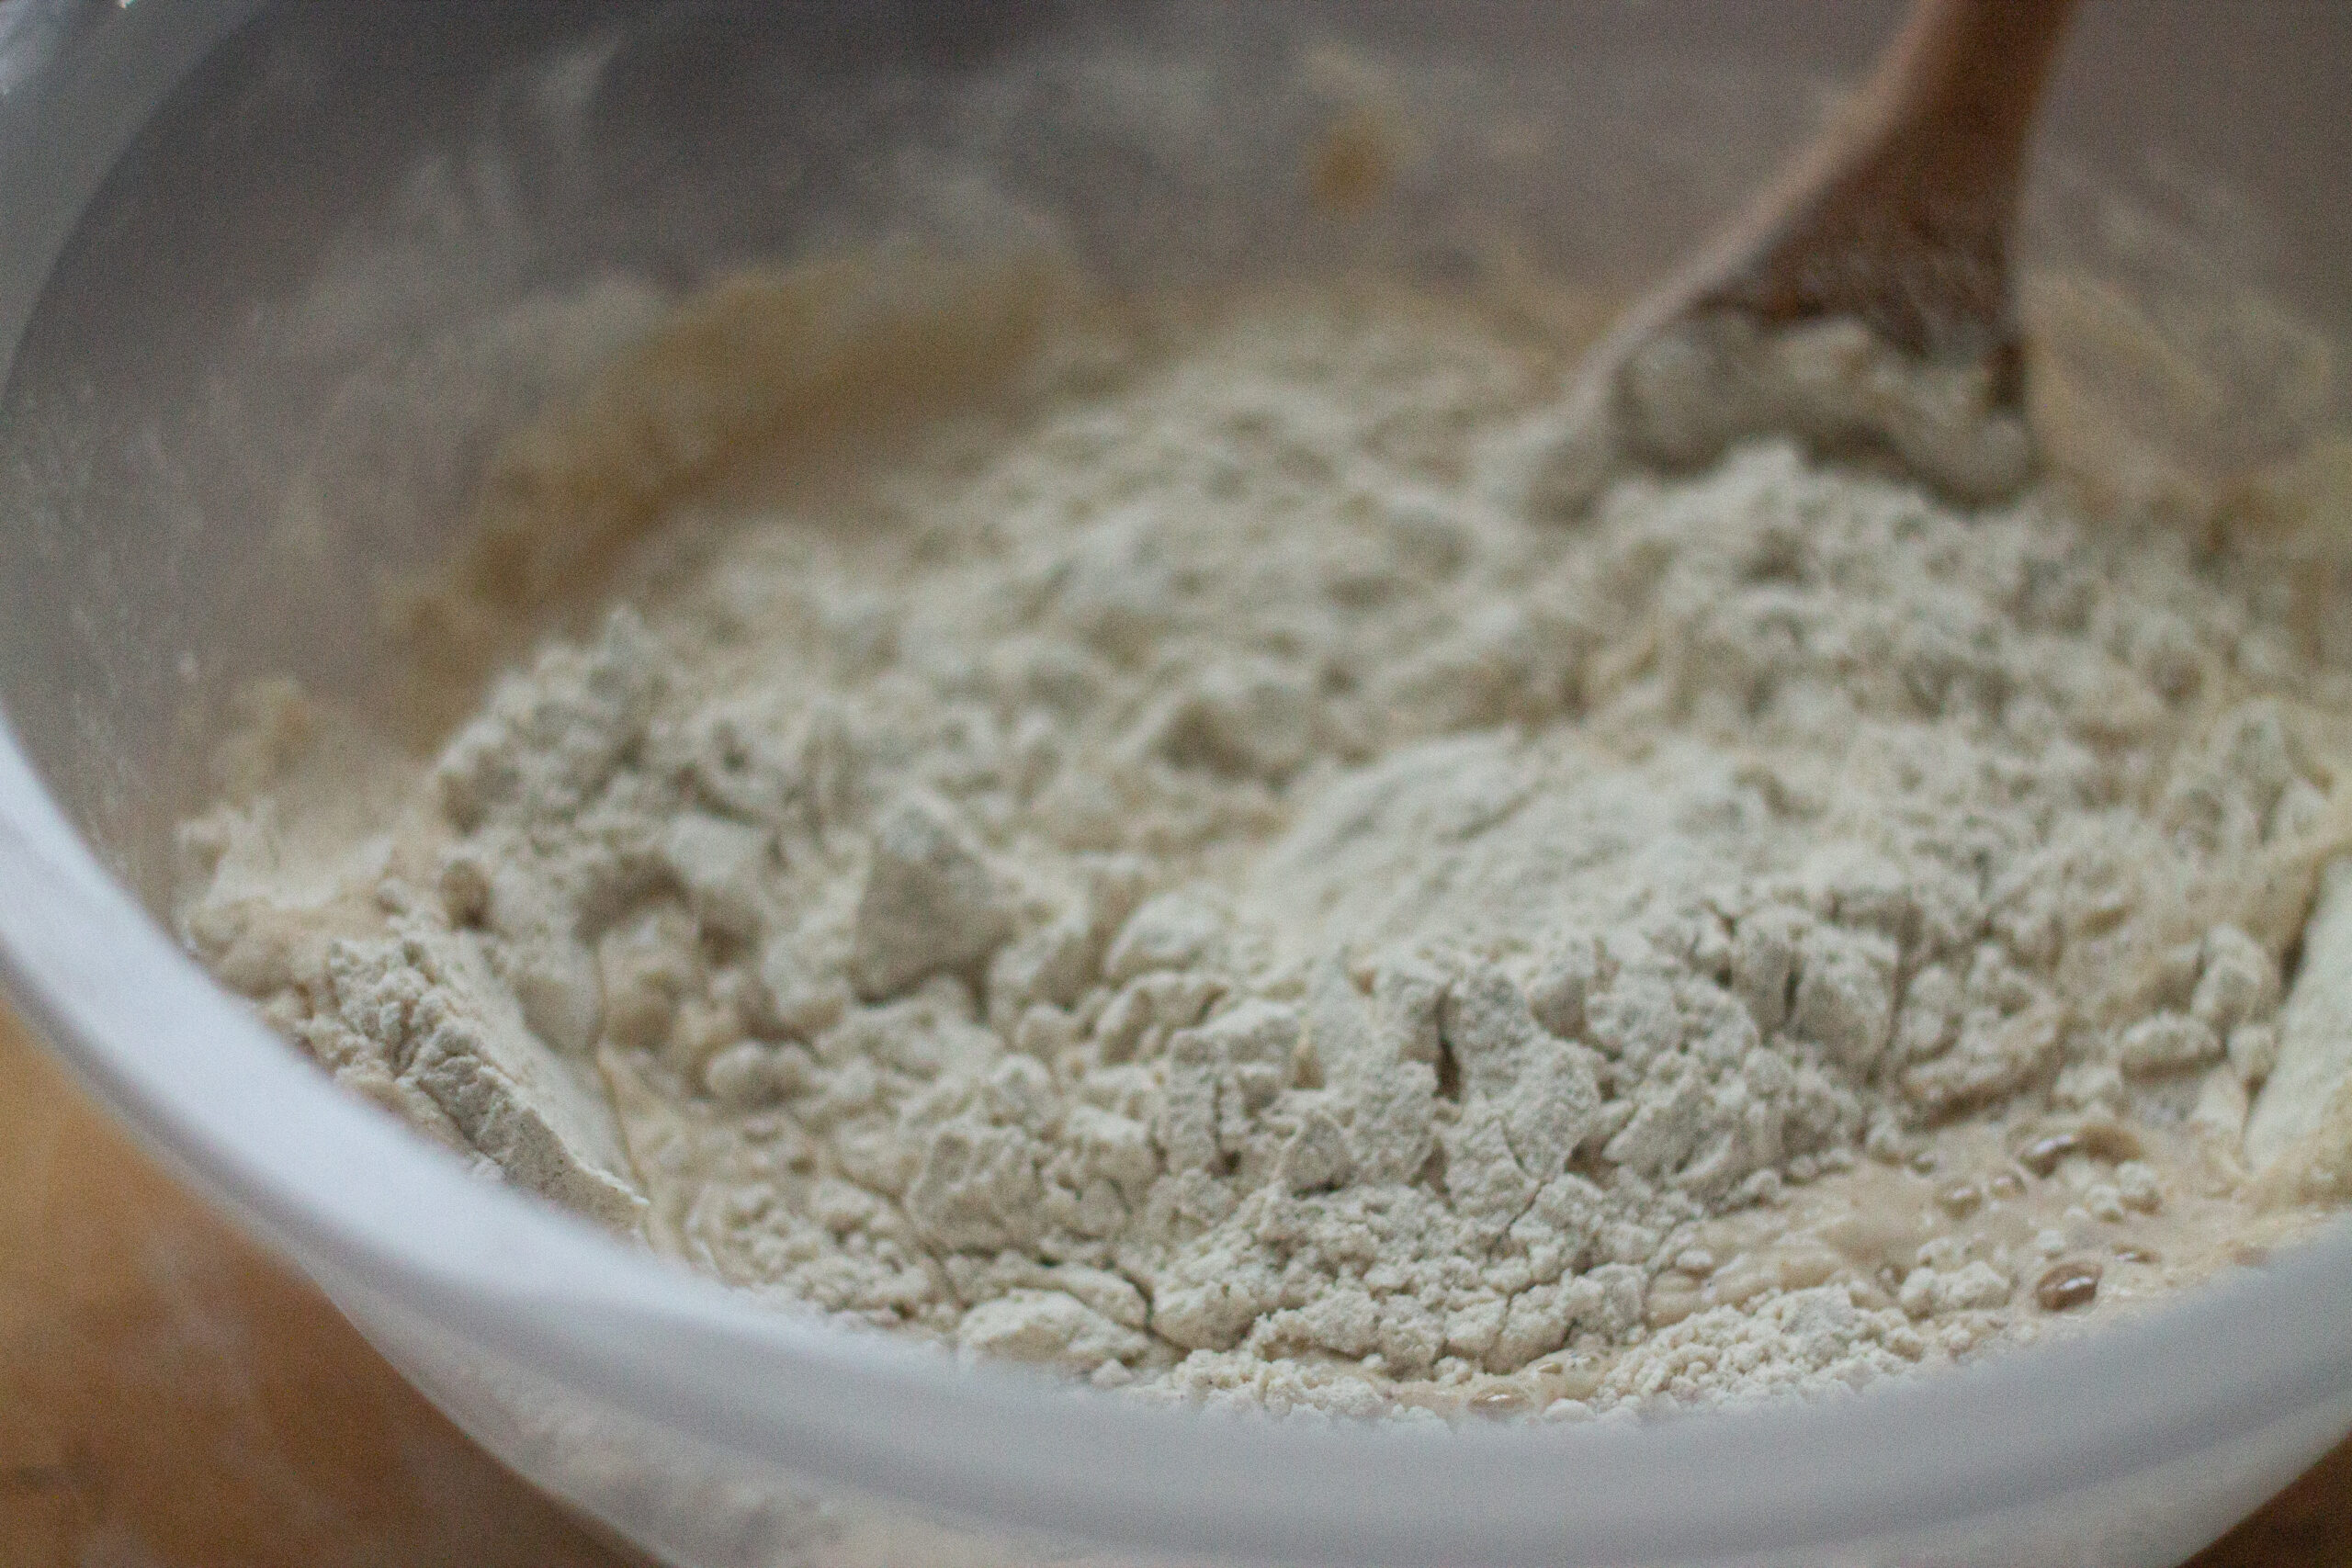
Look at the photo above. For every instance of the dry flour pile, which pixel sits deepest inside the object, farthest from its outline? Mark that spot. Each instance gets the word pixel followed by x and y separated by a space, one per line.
pixel 1188 883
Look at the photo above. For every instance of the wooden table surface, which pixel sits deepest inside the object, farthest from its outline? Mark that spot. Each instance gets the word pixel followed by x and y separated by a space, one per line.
pixel 172 1397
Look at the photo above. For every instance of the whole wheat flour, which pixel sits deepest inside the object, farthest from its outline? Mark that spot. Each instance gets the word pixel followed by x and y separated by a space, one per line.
pixel 1184 879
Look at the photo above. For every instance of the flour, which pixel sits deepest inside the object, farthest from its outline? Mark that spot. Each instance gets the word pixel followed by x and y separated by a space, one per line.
pixel 1176 877
pixel 1690 388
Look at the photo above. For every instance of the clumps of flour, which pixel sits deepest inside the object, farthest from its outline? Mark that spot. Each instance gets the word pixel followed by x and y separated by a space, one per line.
pixel 1188 884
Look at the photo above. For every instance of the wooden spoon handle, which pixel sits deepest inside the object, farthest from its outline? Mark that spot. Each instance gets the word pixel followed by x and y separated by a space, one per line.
pixel 1865 304
pixel 1901 215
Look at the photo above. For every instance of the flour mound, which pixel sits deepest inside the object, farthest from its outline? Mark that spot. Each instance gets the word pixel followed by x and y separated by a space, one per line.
pixel 1186 883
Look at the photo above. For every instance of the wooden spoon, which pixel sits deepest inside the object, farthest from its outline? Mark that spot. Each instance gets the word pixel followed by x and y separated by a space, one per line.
pixel 1865 304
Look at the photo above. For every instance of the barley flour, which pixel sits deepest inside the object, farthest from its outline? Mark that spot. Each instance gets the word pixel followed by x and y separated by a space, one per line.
pixel 1182 879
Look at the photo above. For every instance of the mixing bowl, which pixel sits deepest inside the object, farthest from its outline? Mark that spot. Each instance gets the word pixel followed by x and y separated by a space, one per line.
pixel 263 291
